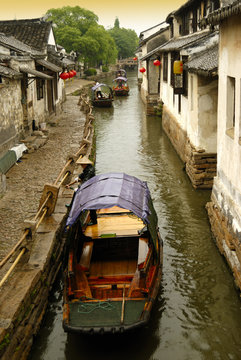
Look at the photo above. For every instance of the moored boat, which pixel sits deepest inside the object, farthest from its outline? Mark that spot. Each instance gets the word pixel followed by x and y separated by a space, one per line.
pixel 101 95
pixel 121 87
pixel 114 262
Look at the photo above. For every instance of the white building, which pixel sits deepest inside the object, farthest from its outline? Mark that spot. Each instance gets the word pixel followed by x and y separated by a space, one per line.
pixel 225 206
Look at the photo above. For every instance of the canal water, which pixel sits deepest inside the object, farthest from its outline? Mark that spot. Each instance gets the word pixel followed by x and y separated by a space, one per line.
pixel 198 311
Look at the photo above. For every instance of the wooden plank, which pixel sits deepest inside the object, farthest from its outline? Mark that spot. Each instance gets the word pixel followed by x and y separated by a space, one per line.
pixel 86 255
pixel 112 210
pixel 108 280
pixel 142 250
pixel 135 284
pixel 117 267
pixel 120 225
pixel 83 288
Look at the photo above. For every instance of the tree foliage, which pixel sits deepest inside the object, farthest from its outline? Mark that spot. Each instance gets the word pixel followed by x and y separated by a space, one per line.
pixel 126 40
pixel 77 29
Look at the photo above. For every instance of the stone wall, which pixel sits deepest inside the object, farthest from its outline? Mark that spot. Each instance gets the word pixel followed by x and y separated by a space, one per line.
pixel 228 242
pixel 200 166
pixel 24 295
pixel 11 114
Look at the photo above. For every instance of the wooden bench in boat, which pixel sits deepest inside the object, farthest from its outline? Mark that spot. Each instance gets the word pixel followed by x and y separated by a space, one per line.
pixel 86 255
pixel 82 285
pixel 142 251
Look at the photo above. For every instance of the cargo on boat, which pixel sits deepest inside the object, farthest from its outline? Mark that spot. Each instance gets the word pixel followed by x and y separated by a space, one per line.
pixel 114 256
pixel 101 95
pixel 121 87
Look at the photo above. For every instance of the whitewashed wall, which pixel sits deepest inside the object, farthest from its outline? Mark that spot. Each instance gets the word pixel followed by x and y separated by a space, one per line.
pixel 227 184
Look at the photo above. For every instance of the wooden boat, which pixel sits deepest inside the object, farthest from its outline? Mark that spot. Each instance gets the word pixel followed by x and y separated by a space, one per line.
pixel 114 266
pixel 101 95
pixel 121 87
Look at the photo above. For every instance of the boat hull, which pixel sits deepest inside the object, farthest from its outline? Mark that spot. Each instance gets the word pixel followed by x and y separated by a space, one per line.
pixel 102 103
pixel 137 315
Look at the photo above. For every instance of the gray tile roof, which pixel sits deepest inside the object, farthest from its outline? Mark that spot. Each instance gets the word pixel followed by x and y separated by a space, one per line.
pixel 204 63
pixel 9 73
pixel 14 44
pixel 33 32
pixel 231 8
pixel 49 65
pixel 26 69
pixel 180 42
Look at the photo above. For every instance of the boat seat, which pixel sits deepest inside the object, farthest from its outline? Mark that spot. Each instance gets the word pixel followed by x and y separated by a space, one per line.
pixel 86 255
pixel 82 285
pixel 142 251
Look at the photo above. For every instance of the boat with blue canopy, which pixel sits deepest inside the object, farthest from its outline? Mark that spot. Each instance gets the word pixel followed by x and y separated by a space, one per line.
pixel 121 87
pixel 101 95
pixel 114 256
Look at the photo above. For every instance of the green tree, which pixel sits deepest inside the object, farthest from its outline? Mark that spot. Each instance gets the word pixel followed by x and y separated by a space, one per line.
pixel 78 29
pixel 116 23
pixel 126 41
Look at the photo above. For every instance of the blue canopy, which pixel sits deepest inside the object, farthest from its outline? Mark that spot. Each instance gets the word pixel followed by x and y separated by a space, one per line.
pixel 99 85
pixel 112 189
pixel 120 78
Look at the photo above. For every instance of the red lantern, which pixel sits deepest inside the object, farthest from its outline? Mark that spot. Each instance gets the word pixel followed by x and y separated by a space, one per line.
pixel 157 62
pixel 73 71
pixel 71 74
pixel 134 58
pixel 142 70
pixel 64 75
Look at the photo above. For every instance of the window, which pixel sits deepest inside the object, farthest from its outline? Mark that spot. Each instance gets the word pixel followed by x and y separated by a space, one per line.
pixel 174 56
pixel 40 88
pixel 185 77
pixel 191 91
pixel 165 66
pixel 230 119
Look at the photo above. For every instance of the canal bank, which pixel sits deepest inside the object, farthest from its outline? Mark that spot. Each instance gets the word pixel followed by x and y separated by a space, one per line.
pixel 197 315
pixel 32 191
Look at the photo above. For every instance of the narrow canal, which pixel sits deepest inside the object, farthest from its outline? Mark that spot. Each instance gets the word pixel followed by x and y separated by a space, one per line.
pixel 198 312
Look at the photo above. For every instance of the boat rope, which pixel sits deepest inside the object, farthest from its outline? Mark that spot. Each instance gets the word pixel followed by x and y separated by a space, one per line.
pixel 86 308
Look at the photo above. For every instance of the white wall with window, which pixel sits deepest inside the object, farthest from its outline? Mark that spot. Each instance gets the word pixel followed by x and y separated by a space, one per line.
pixel 229 104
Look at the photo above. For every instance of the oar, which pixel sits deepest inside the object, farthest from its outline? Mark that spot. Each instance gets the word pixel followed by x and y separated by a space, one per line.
pixel 123 305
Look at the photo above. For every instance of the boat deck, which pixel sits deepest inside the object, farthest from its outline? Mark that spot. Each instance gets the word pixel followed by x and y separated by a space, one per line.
pixel 116 222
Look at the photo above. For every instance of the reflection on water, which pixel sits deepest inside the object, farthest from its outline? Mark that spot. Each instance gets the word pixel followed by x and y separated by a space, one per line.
pixel 198 312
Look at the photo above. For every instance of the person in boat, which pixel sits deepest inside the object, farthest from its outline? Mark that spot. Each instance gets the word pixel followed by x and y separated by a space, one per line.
pixel 98 91
pixel 87 173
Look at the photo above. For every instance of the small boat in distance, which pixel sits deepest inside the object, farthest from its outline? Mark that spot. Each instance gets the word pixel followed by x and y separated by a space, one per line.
pixel 121 72
pixel 101 95
pixel 114 262
pixel 121 87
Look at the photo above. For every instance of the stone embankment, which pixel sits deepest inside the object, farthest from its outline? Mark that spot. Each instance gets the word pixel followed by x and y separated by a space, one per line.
pixel 24 295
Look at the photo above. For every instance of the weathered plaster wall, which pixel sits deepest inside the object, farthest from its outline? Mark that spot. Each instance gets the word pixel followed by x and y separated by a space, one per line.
pixel 11 113
pixel 229 147
pixel 225 208
pixel 202 112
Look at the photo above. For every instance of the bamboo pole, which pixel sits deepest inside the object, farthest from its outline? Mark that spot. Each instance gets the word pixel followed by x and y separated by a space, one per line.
pixel 123 305
pixel 62 171
pixel 3 262
pixel 12 267
pixel 42 217
pixel 43 205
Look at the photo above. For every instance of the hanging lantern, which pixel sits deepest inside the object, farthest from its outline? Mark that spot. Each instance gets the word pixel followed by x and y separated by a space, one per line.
pixel 134 58
pixel 142 70
pixel 156 62
pixel 178 67
pixel 71 74
pixel 64 75
pixel 73 71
